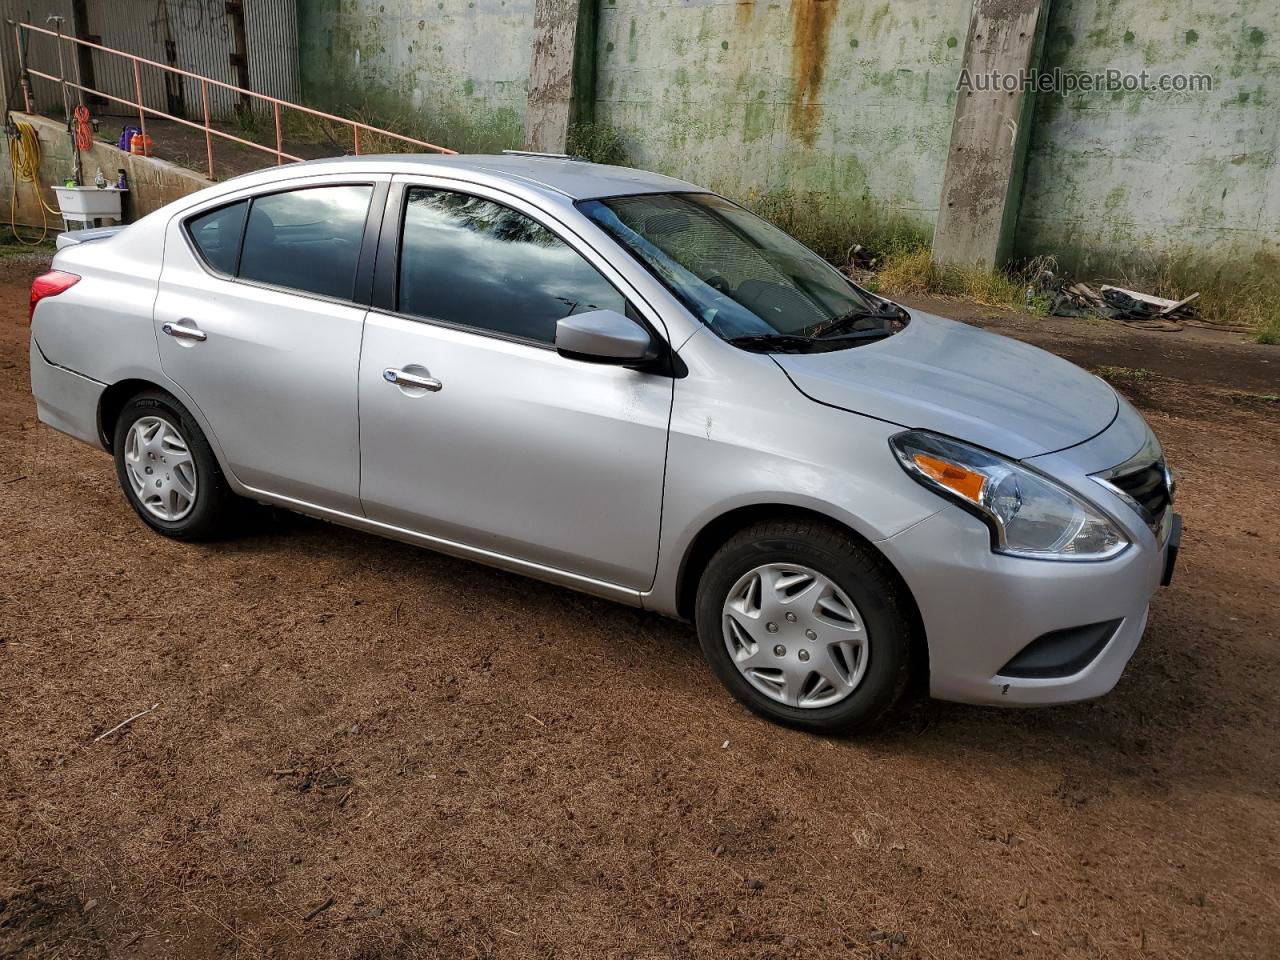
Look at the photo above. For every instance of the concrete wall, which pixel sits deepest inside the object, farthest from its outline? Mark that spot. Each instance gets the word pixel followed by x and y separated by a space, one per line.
pixel 847 105
pixel 1133 174
pixel 458 67
pixel 152 183
pixel 851 100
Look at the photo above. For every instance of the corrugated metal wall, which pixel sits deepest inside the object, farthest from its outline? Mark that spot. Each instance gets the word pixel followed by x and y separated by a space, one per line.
pixel 194 35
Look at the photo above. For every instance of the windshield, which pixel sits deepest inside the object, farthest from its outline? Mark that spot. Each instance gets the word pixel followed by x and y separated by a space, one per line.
pixel 744 278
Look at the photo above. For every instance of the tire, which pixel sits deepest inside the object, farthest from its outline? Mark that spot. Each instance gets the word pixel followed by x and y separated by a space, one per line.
pixel 856 661
pixel 159 477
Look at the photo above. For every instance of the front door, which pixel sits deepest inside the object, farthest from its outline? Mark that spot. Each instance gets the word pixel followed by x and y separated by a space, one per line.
pixel 473 430
pixel 257 320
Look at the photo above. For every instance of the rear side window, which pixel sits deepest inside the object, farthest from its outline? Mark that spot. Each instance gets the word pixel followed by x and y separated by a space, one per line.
pixel 307 240
pixel 470 261
pixel 217 234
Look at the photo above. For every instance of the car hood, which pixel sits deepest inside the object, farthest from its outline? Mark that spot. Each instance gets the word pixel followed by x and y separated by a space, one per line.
pixel 939 375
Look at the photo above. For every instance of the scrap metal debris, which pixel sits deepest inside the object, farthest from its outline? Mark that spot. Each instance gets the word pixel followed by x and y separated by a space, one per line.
pixel 1142 309
pixel 860 259
pixel 1131 307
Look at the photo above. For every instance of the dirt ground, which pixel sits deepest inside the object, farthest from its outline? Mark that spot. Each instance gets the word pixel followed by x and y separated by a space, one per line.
pixel 361 749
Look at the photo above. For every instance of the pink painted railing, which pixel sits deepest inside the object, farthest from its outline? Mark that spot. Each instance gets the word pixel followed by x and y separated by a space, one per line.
pixel 26 71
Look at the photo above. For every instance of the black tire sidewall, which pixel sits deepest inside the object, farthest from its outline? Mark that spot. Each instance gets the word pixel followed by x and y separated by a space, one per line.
pixel 866 584
pixel 204 517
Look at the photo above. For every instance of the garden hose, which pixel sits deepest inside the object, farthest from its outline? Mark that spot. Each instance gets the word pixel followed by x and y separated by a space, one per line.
pixel 24 162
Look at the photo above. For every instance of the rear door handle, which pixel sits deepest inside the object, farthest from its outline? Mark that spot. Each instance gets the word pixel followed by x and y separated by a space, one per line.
pixel 182 331
pixel 402 379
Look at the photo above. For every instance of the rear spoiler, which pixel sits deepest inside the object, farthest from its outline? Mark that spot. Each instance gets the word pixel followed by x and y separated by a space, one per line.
pixel 70 238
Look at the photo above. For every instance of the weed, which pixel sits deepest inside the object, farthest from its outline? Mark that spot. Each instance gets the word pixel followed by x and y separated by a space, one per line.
pixel 1264 400
pixel 1123 374
pixel 599 143
pixel 911 269
pixel 475 131
pixel 832 227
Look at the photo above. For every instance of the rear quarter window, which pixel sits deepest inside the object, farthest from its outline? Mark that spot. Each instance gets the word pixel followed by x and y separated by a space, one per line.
pixel 217 234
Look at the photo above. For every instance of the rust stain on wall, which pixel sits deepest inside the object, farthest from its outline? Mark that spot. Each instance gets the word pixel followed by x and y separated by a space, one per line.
pixel 810 27
pixel 743 12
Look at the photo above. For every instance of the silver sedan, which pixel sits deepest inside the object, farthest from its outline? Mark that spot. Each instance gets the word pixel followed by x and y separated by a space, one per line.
pixel 627 385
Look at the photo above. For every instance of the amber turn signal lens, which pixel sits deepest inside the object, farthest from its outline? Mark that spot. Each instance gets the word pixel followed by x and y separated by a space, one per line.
pixel 967 483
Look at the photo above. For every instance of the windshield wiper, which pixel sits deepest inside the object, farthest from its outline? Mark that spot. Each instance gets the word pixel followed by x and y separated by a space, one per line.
pixel 795 343
pixel 775 342
pixel 878 334
pixel 827 329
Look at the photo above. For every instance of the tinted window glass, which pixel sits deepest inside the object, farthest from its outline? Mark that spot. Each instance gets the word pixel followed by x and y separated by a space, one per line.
pixel 307 239
pixel 475 262
pixel 217 233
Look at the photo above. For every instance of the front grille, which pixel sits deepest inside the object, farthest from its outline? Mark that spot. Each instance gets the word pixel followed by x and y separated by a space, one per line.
pixel 1148 489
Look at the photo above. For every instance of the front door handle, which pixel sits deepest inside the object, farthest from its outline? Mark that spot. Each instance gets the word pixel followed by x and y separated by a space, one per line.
pixel 404 379
pixel 182 331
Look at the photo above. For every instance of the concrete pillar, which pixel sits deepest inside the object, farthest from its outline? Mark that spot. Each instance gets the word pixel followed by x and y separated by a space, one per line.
pixel 562 73
pixel 982 182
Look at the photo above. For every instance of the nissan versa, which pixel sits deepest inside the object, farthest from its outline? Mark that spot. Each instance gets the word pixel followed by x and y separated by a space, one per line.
pixel 625 384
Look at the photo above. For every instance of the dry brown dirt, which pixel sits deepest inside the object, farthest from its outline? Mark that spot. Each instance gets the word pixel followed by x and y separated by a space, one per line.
pixel 366 750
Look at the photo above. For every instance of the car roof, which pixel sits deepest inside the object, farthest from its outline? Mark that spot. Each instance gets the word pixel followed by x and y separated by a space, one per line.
pixel 576 179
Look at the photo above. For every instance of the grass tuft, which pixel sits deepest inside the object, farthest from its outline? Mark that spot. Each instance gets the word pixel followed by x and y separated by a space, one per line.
pixel 832 227
pixel 599 143
pixel 910 269
pixel 475 131
pixel 1123 374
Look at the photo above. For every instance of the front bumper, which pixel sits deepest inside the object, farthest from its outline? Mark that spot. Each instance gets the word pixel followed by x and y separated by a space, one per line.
pixel 980 609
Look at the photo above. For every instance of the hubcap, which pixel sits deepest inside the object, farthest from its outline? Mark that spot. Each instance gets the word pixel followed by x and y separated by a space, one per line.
pixel 795 636
pixel 160 469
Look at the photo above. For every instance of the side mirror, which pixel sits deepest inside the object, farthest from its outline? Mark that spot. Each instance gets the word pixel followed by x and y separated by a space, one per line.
pixel 604 336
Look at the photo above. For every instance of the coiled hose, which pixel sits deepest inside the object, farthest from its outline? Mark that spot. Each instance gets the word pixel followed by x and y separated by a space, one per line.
pixel 24 161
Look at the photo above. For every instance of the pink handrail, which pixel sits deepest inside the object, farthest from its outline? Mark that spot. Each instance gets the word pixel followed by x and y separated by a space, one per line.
pixel 276 103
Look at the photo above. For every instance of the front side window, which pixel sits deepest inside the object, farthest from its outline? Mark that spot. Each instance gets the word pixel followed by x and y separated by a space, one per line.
pixel 307 240
pixel 743 277
pixel 477 263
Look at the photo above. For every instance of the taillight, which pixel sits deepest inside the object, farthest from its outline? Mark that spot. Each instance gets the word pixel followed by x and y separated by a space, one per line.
pixel 50 285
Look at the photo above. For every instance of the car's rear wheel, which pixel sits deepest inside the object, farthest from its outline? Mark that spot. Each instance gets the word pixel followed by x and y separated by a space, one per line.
pixel 168 471
pixel 804 626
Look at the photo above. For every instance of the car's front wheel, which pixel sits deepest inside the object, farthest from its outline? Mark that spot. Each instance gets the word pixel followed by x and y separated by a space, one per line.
pixel 168 471
pixel 804 626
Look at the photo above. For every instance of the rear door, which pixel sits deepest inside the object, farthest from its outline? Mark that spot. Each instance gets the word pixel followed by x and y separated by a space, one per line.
pixel 510 448
pixel 259 318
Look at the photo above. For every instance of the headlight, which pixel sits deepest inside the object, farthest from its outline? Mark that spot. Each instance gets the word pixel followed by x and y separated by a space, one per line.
pixel 1029 514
